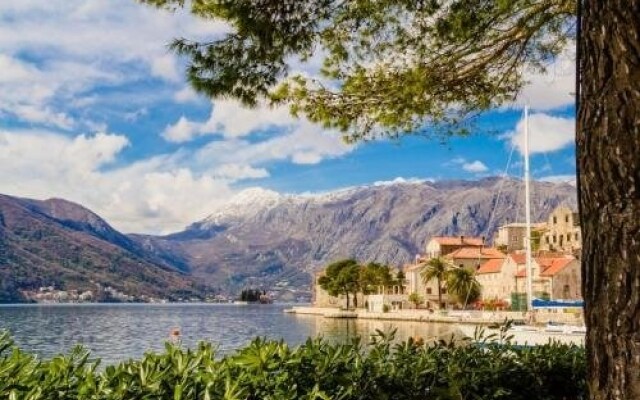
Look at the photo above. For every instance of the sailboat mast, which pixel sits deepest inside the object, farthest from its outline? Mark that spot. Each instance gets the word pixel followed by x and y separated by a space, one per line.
pixel 527 203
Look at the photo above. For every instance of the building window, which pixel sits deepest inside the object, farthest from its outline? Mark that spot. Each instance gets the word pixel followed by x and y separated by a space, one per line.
pixel 555 220
pixel 566 218
pixel 576 236
pixel 547 238
pixel 461 265
pixel 555 239
pixel 444 290
pixel 429 290
pixel 568 237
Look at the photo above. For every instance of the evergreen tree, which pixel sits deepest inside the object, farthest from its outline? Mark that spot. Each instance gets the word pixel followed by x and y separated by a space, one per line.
pixel 342 278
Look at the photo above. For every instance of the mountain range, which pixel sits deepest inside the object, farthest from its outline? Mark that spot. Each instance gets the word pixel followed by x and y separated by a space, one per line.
pixel 259 239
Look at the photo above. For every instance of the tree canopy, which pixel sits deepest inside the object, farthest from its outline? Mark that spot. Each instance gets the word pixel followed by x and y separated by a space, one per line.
pixel 389 67
pixel 462 283
pixel 341 278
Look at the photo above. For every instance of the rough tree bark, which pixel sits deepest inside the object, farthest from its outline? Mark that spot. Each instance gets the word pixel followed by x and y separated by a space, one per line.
pixel 608 146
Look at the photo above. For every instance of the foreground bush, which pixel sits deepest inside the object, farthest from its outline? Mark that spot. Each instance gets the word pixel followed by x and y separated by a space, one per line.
pixel 315 370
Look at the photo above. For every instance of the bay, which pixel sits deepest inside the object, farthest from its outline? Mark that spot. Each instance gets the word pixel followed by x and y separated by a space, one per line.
pixel 116 332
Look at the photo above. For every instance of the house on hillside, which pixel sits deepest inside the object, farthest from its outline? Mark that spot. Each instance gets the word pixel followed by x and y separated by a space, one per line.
pixel 474 257
pixel 443 245
pixel 554 278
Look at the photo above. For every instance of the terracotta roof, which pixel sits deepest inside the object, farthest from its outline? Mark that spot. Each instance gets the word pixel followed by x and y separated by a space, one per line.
pixel 553 265
pixel 476 253
pixel 458 241
pixel 492 266
pixel 518 258
pixel 550 266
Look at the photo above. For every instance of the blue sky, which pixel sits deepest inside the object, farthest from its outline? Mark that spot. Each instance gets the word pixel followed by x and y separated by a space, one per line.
pixel 94 109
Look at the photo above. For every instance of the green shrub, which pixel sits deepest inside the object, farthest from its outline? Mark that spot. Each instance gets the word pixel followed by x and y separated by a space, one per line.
pixel 270 370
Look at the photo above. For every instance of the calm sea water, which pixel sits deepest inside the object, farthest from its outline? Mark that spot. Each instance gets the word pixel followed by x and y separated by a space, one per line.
pixel 115 332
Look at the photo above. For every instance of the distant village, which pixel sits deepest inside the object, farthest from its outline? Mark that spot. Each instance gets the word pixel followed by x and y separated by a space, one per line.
pixel 101 294
pixel 498 268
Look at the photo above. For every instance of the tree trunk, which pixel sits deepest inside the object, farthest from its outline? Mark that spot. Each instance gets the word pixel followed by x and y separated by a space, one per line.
pixel 347 299
pixel 355 299
pixel 608 152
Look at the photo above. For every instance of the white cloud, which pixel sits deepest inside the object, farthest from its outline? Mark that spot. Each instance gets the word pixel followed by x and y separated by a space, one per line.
pixel 230 119
pixel 298 141
pixel 475 167
pixel 233 120
pixel 182 131
pixel 44 116
pixel 185 95
pixel 554 88
pixel 240 171
pixel 546 133
pixel 305 144
pixel 165 67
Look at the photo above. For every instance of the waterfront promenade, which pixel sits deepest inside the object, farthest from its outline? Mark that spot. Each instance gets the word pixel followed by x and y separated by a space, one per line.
pixel 450 316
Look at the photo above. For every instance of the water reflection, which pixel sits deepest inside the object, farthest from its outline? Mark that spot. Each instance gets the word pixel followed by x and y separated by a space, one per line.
pixel 118 332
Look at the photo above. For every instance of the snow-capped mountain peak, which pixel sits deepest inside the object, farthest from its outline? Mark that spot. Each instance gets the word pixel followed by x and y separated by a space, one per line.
pixel 245 202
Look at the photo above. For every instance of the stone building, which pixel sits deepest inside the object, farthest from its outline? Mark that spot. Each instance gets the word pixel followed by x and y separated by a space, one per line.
pixel 497 277
pixel 428 291
pixel 562 233
pixel 554 278
pixel 511 237
pixel 443 245
pixel 473 257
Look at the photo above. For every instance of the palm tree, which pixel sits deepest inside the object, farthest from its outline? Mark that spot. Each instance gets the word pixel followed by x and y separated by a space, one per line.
pixel 435 268
pixel 462 283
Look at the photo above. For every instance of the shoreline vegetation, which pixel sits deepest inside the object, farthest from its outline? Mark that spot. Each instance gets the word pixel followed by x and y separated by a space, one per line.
pixel 264 369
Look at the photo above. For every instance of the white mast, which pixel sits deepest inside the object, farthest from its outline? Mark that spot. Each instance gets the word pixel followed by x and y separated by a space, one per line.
pixel 527 203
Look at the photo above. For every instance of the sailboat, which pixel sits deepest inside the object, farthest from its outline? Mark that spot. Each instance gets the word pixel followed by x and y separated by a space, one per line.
pixel 529 334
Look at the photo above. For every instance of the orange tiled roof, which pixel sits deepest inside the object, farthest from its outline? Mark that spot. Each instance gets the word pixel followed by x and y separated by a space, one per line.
pixel 476 253
pixel 492 266
pixel 518 258
pixel 458 241
pixel 550 266
pixel 553 265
